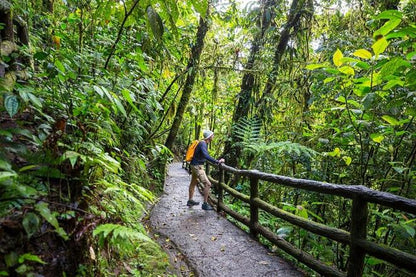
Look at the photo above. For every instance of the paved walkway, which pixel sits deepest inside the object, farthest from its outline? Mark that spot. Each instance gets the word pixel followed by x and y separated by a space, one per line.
pixel 212 245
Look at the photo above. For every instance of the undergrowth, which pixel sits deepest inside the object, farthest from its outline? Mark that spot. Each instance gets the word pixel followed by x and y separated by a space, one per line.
pixel 77 170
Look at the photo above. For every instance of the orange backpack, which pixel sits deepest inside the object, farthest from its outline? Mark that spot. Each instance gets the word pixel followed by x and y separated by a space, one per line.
pixel 191 150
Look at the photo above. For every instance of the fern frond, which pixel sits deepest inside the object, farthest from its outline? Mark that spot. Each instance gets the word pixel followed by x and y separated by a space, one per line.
pixel 122 237
pixel 126 195
pixel 248 130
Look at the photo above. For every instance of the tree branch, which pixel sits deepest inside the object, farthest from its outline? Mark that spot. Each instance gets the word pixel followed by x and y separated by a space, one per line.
pixel 120 31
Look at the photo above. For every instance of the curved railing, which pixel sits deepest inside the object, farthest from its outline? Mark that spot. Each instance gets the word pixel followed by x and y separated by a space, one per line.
pixel 356 239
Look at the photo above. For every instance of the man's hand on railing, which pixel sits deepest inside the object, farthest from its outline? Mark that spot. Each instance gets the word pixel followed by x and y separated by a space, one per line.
pixel 220 161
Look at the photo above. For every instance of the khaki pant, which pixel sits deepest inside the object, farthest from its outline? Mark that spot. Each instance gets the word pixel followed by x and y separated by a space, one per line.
pixel 198 172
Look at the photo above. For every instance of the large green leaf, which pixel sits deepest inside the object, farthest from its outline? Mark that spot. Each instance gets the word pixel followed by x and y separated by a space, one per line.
pixel 392 83
pixel 335 153
pixel 35 100
pixel 314 66
pixel 119 105
pixel 72 156
pixel 30 257
pixel 402 33
pixel 107 93
pixel 409 229
pixel 31 224
pixel 128 98
pixel 387 27
pixel 410 55
pixel 379 46
pixel 5 165
pixel 60 66
pixel 390 14
pixel 362 53
pixel 392 66
pixel 347 159
pixel 44 211
pixel 336 58
pixel 363 65
pixel 6 175
pixel 348 70
pixel 368 100
pixel 11 104
pixel 391 120
pixel 328 80
pixel 98 90
pixel 377 137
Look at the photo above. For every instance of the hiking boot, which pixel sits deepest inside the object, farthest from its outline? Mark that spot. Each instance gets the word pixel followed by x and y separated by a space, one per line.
pixel 191 203
pixel 207 207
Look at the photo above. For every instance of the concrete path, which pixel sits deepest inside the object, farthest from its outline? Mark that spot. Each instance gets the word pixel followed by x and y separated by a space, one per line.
pixel 212 245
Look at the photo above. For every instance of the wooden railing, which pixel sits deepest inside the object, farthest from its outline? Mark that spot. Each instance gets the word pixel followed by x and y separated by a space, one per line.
pixel 359 246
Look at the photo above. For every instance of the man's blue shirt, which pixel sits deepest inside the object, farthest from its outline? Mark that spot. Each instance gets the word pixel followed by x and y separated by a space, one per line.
pixel 201 154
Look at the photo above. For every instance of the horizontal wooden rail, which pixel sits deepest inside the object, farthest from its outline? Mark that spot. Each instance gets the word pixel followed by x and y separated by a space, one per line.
pixel 243 219
pixel 300 255
pixel 346 191
pixel 233 192
pixel 360 196
pixel 314 227
pixel 383 252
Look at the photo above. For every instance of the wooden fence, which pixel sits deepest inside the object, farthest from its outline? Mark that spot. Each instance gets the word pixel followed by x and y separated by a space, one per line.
pixel 356 239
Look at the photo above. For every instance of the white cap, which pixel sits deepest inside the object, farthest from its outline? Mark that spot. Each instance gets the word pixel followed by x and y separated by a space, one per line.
pixel 208 134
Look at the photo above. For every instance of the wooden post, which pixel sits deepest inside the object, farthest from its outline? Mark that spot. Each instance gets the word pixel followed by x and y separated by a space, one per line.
pixel 220 189
pixel 207 168
pixel 254 210
pixel 359 217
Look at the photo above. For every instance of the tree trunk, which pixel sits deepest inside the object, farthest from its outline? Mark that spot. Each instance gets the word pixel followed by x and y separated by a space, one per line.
pixel 7 19
pixel 214 96
pixel 198 120
pixel 231 152
pixel 295 12
pixel 192 71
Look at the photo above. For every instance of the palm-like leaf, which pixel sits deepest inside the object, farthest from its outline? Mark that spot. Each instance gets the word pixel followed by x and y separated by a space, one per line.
pixel 248 131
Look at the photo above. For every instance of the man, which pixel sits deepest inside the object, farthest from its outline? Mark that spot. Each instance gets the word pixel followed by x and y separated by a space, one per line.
pixel 198 172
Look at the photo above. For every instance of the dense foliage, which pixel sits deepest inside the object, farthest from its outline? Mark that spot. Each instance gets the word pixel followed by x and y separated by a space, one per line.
pixel 320 90
pixel 77 158
pixel 343 113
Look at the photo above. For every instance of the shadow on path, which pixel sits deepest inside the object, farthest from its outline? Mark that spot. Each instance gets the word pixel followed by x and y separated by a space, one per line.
pixel 212 245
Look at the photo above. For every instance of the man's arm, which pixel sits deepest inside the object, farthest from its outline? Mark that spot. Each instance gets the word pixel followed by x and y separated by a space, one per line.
pixel 205 154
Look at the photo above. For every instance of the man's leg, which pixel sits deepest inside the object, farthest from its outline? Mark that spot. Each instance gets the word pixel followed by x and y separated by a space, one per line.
pixel 207 186
pixel 192 185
